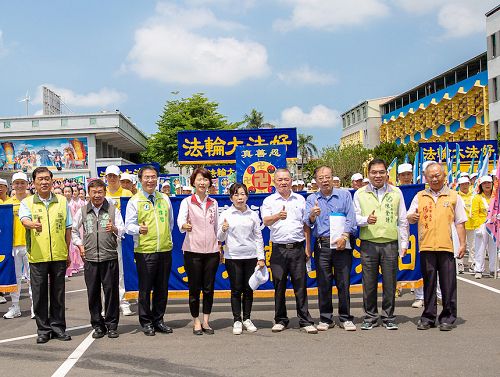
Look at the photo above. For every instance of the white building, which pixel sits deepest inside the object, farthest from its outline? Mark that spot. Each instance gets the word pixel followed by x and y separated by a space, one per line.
pixel 493 56
pixel 361 124
pixel 71 145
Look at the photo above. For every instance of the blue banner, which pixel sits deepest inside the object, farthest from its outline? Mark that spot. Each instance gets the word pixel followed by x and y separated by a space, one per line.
pixel 469 150
pixel 219 171
pixel 7 269
pixel 255 166
pixel 219 146
pixel 131 169
pixel 409 266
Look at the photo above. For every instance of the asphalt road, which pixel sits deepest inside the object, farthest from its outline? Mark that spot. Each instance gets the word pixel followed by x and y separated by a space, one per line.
pixel 472 349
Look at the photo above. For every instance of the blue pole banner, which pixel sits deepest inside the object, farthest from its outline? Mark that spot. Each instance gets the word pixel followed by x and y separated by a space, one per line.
pixel 409 266
pixel 131 169
pixel 219 146
pixel 7 269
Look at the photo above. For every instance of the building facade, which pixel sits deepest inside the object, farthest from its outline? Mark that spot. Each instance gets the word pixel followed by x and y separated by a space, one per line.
pixel 360 125
pixel 70 145
pixel 450 107
pixel 493 54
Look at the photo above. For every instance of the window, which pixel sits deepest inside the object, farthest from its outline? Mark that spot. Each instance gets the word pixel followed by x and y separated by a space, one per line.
pixel 344 122
pixel 93 121
pixel 64 122
pixel 493 45
pixel 348 120
pixel 35 123
pixel 353 116
pixel 6 124
pixel 364 112
pixel 358 113
pixel 495 89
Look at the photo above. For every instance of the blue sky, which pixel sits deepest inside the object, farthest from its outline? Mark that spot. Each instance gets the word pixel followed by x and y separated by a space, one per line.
pixel 300 62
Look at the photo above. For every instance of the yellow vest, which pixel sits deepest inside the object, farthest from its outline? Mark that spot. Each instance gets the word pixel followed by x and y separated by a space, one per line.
pixel 117 195
pixel 434 225
pixel 157 218
pixel 479 211
pixel 467 198
pixel 19 231
pixel 50 244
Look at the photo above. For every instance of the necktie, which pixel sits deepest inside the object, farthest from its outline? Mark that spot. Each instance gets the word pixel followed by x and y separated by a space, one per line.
pixel 152 199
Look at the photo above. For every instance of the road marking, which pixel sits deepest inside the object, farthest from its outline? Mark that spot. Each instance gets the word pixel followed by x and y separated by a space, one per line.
pixel 35 335
pixel 74 357
pixel 479 284
pixel 77 290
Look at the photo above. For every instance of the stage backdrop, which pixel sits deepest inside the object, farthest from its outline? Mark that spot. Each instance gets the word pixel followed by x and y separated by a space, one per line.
pixel 409 266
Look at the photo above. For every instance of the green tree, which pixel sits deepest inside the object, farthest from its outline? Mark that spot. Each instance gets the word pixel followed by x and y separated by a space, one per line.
pixel 254 120
pixel 389 151
pixel 307 149
pixel 192 113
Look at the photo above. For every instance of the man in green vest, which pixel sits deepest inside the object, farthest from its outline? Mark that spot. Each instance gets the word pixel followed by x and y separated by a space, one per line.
pixel 47 219
pixel 380 214
pixel 149 219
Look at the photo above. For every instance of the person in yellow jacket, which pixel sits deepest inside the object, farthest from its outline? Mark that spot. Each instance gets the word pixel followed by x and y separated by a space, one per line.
pixel 4 188
pixel 47 218
pixel 20 185
pixel 149 219
pixel 466 195
pixel 115 191
pixel 483 241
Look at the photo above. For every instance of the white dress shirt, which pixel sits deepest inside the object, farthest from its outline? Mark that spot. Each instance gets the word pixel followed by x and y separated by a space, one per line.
pixel 291 229
pixel 244 236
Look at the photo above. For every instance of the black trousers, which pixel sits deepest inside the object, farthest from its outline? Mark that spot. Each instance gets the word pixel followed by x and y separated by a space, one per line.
pixel 291 262
pixel 432 264
pixel 385 256
pixel 103 274
pixel 153 272
pixel 341 261
pixel 47 280
pixel 239 271
pixel 201 269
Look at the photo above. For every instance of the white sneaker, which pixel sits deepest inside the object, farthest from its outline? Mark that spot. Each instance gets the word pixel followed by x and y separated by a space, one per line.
pixel 323 326
pixel 249 326
pixel 14 311
pixel 126 310
pixel 309 329
pixel 32 312
pixel 237 328
pixel 478 275
pixel 278 327
pixel 348 326
pixel 3 300
pixel 418 304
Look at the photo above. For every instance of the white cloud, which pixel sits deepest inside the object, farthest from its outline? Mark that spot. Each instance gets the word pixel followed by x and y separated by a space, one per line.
pixel 102 98
pixel 331 15
pixel 306 75
pixel 3 49
pixel 174 47
pixel 319 116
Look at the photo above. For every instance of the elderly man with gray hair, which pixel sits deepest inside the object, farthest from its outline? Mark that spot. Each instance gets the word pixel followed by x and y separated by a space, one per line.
pixel 436 209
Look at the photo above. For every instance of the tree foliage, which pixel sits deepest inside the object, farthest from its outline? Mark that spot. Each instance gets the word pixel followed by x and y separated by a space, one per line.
pixel 192 113
pixel 306 149
pixel 254 120
pixel 389 151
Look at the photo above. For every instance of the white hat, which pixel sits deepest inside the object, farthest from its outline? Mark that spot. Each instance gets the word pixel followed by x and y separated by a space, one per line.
pixel 127 177
pixel 300 182
pixel 113 169
pixel 493 172
pixel 3 182
pixel 473 175
pixel 366 180
pixel 313 181
pixel 463 180
pixel 295 183
pixel 259 277
pixel 403 168
pixel 187 188
pixel 356 177
pixel 336 179
pixel 464 174
pixel 165 184
pixel 20 176
pixel 485 178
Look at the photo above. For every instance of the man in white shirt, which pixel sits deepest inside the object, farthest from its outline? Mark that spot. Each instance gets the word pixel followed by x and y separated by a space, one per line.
pixel 283 212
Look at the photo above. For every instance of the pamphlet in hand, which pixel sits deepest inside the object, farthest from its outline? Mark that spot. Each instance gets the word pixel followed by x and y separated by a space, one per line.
pixel 337 226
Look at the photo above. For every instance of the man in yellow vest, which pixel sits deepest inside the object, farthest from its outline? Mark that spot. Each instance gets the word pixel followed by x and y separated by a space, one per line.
pixel 47 218
pixel 381 215
pixel 435 209
pixel 149 219
pixel 20 184
pixel 115 191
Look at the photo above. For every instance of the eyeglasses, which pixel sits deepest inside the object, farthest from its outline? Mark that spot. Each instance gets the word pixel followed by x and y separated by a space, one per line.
pixel 149 178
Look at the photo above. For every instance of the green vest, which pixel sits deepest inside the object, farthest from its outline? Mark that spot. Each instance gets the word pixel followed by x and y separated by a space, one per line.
pixel 49 245
pixel 386 227
pixel 157 218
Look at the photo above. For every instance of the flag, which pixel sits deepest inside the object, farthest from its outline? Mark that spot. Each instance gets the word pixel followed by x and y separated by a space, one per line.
pixel 392 170
pixel 484 166
pixel 480 161
pixel 406 158
pixel 493 220
pixel 471 167
pixel 449 165
pixel 415 168
pixel 440 157
pixel 457 159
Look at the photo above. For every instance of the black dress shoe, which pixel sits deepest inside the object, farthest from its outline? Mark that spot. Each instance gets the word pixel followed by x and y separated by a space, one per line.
pixel 446 326
pixel 197 332
pixel 421 325
pixel 149 330
pixel 208 330
pixel 113 334
pixel 61 336
pixel 98 333
pixel 42 339
pixel 162 327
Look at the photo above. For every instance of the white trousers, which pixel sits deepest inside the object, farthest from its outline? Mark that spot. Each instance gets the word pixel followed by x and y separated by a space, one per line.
pixel 484 244
pixel 121 279
pixel 471 239
pixel 20 261
pixel 419 292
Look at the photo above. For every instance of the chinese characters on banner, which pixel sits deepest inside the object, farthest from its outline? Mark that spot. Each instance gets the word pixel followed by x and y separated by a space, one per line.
pixel 255 166
pixel 468 149
pixel 219 171
pixel 131 169
pixel 219 146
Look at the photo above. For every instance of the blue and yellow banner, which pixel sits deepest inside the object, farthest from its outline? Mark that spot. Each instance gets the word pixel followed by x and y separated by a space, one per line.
pixel 219 171
pixel 219 146
pixel 469 150
pixel 7 269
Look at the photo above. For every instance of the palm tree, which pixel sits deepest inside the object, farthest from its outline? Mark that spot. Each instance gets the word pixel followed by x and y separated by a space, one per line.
pixel 254 120
pixel 306 149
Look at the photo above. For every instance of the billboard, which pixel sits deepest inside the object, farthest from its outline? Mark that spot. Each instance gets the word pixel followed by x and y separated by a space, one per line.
pixel 51 102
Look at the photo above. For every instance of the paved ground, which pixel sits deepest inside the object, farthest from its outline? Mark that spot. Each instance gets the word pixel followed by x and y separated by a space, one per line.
pixel 472 349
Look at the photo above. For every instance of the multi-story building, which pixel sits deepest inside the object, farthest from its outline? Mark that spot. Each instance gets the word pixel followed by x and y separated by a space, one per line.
pixel 493 54
pixel 70 145
pixel 450 107
pixel 360 125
